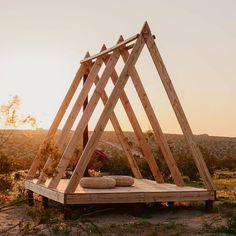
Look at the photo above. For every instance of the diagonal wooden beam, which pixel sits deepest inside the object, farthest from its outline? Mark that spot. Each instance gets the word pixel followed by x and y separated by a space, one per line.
pixel 57 119
pixel 166 81
pixel 148 155
pixel 93 141
pixel 80 101
pixel 120 135
pixel 84 120
pixel 105 52
pixel 73 115
pixel 158 134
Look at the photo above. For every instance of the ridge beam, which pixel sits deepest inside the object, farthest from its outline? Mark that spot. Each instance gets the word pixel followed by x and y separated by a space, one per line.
pixel 119 45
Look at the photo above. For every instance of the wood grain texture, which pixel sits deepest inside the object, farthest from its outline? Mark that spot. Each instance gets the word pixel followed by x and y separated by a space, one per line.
pixel 169 88
pixel 120 135
pixel 143 190
pixel 66 157
pixel 90 147
pixel 148 155
pixel 117 46
pixel 158 134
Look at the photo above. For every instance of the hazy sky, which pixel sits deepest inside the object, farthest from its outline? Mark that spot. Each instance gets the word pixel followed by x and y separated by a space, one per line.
pixel 42 43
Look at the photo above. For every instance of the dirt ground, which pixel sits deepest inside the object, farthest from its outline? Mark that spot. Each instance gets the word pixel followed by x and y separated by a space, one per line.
pixel 152 220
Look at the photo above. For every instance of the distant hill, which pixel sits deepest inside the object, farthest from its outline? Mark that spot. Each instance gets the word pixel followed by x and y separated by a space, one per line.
pixel 25 143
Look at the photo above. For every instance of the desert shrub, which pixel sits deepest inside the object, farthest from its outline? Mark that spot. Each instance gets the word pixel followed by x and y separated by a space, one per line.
pixel 144 168
pixel 187 166
pixel 231 222
pixel 6 168
pixel 61 229
pixel 228 163
pixel 6 165
pixel 6 183
pixel 117 164
pixel 230 226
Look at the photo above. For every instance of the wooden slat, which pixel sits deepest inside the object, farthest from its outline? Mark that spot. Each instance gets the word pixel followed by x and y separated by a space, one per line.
pixel 84 119
pixel 44 191
pixel 57 120
pixel 90 147
pixel 198 158
pixel 143 191
pixel 158 134
pixel 144 197
pixel 117 46
pixel 148 155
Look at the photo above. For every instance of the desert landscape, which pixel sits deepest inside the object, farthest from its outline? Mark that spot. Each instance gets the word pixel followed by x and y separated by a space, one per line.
pixel 185 218
pixel 117 118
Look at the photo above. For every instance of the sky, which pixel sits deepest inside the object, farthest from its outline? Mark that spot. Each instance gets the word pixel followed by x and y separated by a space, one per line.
pixel 42 43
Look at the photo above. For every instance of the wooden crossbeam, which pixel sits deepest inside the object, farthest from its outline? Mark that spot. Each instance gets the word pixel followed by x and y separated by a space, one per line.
pixel 90 147
pixel 117 46
pixel 73 115
pixel 57 120
pixel 166 81
pixel 84 119
pixel 158 134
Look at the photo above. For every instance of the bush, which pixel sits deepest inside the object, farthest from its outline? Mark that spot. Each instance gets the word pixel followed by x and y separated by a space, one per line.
pixel 117 164
pixel 6 165
pixel 231 222
pixel 6 183
pixel 6 168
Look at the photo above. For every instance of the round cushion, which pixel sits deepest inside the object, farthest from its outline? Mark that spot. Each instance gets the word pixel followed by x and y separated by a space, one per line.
pixel 97 182
pixel 122 180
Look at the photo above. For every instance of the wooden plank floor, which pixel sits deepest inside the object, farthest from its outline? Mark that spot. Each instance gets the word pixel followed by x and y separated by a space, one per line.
pixel 143 190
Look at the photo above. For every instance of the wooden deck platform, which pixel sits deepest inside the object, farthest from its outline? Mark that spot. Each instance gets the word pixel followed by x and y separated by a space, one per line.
pixel 143 191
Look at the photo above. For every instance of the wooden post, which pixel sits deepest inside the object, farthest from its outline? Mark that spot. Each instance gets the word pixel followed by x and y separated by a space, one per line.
pixel 158 134
pixel 197 156
pixel 208 206
pixel 89 149
pixel 30 198
pixel 45 202
pixel 85 134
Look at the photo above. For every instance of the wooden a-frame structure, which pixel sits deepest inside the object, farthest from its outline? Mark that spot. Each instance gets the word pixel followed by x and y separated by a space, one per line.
pixel 68 191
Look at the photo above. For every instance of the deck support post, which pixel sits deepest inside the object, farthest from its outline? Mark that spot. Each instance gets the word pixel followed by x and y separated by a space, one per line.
pixel 30 198
pixel 171 204
pixel 208 205
pixel 45 202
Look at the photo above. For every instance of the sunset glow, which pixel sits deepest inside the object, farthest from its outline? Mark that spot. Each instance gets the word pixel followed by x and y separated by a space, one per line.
pixel 42 43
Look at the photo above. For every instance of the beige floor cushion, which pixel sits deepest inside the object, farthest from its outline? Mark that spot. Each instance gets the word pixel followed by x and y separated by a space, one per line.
pixel 97 182
pixel 122 180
